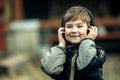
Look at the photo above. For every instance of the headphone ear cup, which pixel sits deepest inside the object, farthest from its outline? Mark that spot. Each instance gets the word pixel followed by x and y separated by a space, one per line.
pixel 88 31
pixel 62 22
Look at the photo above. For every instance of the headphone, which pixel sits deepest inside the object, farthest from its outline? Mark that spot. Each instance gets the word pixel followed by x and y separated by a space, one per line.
pixel 92 23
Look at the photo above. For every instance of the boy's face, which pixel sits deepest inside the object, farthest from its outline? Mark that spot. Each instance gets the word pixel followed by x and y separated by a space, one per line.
pixel 75 31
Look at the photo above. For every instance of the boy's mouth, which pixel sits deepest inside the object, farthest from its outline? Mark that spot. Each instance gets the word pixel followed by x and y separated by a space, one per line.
pixel 74 35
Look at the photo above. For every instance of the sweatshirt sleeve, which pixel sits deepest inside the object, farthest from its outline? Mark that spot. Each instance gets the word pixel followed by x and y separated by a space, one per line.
pixel 86 53
pixel 53 61
pixel 90 60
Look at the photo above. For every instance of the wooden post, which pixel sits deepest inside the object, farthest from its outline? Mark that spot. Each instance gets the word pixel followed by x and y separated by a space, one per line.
pixel 3 27
pixel 18 12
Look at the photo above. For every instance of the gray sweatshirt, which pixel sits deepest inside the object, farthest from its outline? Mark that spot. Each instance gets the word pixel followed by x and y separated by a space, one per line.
pixel 53 61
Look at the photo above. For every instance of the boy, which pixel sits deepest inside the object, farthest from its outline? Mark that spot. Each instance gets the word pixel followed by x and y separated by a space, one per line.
pixel 76 57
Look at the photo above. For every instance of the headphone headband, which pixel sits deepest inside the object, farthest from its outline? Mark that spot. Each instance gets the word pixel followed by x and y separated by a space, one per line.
pixel 92 23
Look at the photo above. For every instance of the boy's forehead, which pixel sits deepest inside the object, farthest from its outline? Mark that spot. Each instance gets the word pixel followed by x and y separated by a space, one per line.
pixel 76 18
pixel 77 21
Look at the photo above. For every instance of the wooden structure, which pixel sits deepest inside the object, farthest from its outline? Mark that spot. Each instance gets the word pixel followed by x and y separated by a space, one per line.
pixel 3 27
pixel 54 24
pixel 12 64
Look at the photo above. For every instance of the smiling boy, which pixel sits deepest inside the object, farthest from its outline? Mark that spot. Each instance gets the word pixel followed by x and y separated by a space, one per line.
pixel 76 57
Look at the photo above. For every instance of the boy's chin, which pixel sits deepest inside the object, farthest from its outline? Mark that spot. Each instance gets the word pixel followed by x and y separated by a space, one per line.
pixel 75 42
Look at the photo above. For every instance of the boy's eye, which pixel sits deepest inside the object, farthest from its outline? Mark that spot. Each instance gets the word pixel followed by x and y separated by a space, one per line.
pixel 79 26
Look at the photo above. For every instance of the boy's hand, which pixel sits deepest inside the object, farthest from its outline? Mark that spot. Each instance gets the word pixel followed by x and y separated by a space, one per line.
pixel 93 32
pixel 61 39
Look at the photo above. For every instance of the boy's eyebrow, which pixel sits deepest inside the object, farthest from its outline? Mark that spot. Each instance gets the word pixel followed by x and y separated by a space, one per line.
pixel 79 23
pixel 76 24
pixel 68 24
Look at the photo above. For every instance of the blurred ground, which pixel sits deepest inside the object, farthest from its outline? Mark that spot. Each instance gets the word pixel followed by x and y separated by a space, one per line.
pixel 111 70
pixel 30 72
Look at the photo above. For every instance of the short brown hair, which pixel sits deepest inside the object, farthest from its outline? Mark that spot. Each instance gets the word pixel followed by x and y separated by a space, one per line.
pixel 76 12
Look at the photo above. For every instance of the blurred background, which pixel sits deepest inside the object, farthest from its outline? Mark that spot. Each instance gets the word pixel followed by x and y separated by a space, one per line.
pixel 28 28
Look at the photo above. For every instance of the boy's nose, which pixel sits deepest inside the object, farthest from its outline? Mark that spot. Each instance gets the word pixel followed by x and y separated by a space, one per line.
pixel 74 29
